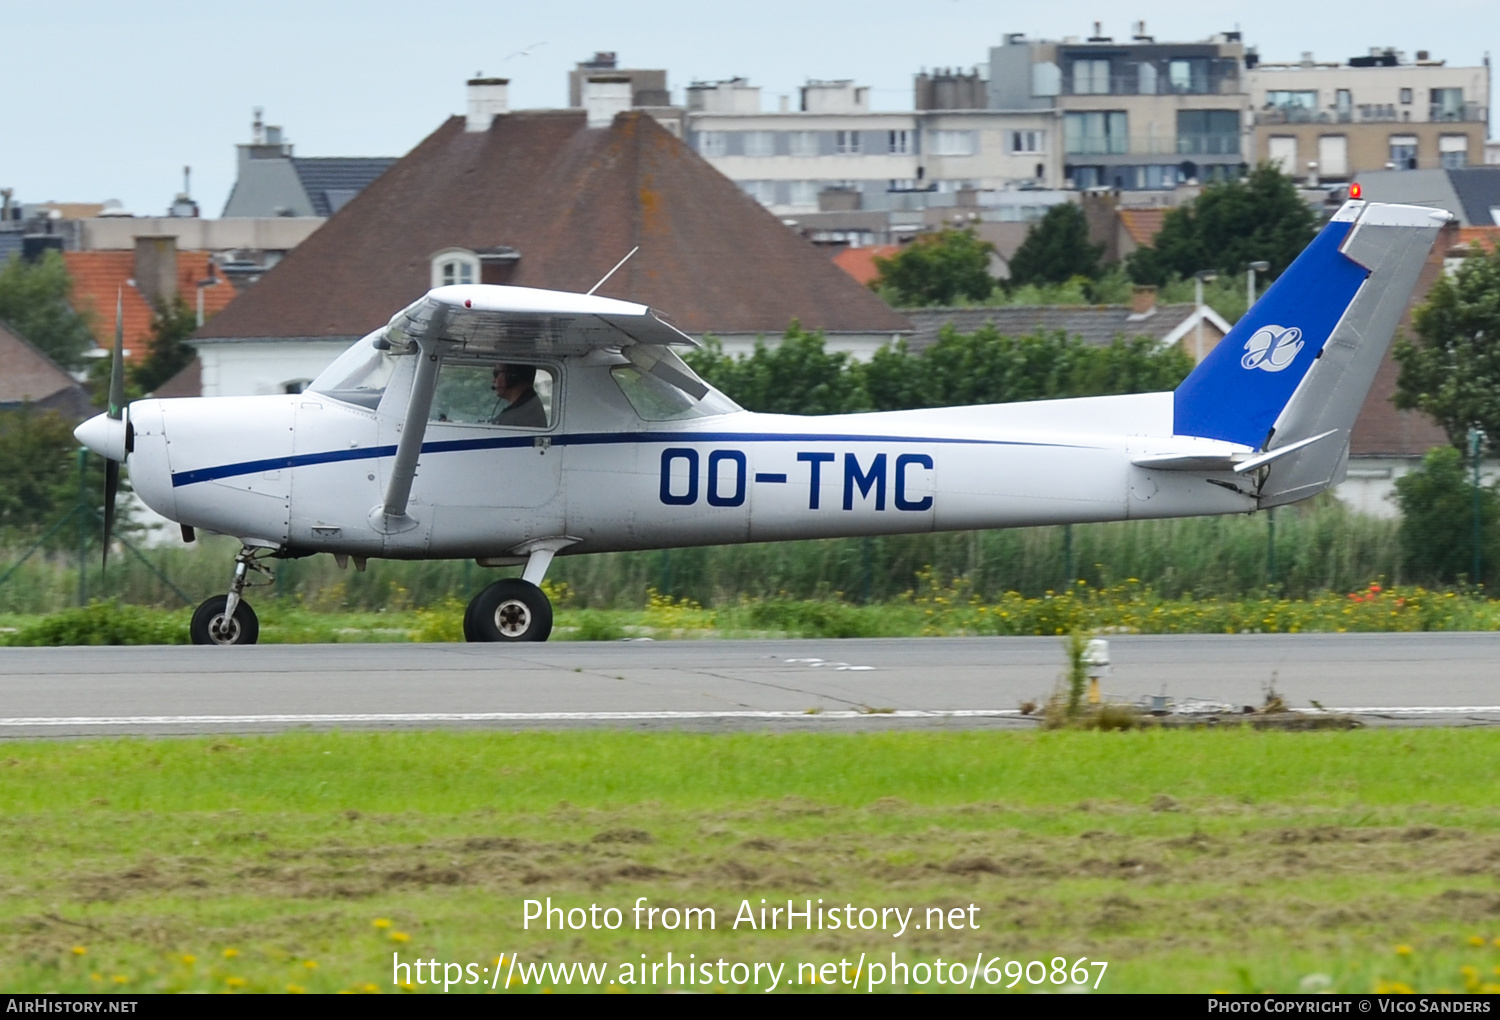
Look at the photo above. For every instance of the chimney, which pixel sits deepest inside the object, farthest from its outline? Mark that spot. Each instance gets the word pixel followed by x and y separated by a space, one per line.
pixel 488 98
pixel 1142 301
pixel 605 95
pixel 156 269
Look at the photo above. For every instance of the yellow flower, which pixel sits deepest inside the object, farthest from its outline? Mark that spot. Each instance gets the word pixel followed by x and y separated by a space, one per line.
pixel 1403 950
pixel 120 979
pixel 370 988
pixel 79 950
pixel 188 959
pixel 235 982
pixel 295 989
pixel 310 964
pixel 1476 940
pixel 400 936
pixel 382 923
pixel 231 953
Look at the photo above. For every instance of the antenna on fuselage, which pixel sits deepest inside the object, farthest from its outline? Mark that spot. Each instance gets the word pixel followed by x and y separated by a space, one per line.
pixel 612 271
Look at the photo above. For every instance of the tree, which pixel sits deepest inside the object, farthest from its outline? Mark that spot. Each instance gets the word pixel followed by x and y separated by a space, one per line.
pixel 1437 520
pixel 1258 218
pixel 1057 249
pixel 1452 372
pixel 37 462
pixel 937 269
pixel 167 352
pixel 797 376
pixel 34 302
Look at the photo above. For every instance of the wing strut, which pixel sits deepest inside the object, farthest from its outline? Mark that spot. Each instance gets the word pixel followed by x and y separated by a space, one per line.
pixel 391 516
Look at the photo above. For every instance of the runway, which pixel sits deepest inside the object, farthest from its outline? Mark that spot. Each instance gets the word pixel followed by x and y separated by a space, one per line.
pixel 771 684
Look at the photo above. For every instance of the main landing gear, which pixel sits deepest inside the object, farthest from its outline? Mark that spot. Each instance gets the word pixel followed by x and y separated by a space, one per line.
pixel 515 609
pixel 228 619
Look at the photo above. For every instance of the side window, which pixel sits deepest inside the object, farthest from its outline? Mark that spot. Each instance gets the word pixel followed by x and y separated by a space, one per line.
pixel 511 395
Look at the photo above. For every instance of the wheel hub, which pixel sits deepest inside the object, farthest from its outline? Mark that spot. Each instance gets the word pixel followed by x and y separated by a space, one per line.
pixel 224 631
pixel 512 618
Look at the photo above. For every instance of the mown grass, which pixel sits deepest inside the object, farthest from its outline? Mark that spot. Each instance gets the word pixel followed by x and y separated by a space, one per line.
pixel 1191 861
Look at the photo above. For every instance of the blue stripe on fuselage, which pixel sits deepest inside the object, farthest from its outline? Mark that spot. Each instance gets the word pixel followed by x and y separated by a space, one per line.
pixel 209 474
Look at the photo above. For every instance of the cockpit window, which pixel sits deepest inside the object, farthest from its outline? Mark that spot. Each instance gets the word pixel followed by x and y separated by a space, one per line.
pixel 510 394
pixel 656 399
pixel 359 375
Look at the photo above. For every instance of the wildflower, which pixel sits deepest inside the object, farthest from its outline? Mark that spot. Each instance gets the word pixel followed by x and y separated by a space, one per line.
pixel 79 950
pixel 1403 950
pixel 235 982
pixel 295 989
pixel 231 953
pixel 1476 940
pixel 310 964
pixel 188 959
pixel 96 977
pixel 382 923
pixel 120 979
pixel 370 988
pixel 400 936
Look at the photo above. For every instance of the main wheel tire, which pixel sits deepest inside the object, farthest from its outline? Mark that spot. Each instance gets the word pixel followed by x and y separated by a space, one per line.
pixel 509 610
pixel 208 626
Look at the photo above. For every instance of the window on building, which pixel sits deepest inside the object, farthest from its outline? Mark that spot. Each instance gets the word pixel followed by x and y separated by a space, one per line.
pixel 847 143
pixel 1208 132
pixel 1282 153
pixel 1091 77
pixel 1147 79
pixel 1453 151
pixel 1096 133
pixel 898 142
pixel 1159 177
pixel 1188 75
pixel 955 143
pixel 1296 106
pixel 1343 104
pixel 1084 177
pixel 1333 156
pixel 454 266
pixel 1406 97
pixel 1447 104
pixel 802 143
pixel 1404 152
pixel 760 143
pixel 763 192
pixel 713 144
pixel 1026 141
pixel 805 193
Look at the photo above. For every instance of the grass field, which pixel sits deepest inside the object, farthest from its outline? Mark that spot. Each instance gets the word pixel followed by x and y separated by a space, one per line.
pixel 1189 861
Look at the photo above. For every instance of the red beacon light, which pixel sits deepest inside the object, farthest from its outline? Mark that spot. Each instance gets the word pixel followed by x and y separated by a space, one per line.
pixel 1355 191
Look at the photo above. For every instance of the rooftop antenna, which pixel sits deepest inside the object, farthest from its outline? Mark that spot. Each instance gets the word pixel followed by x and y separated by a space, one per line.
pixel 187 177
pixel 612 271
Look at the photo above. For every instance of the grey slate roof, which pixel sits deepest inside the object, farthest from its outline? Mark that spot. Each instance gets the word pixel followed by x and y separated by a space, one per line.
pixel 1094 324
pixel 330 181
pixel 1478 189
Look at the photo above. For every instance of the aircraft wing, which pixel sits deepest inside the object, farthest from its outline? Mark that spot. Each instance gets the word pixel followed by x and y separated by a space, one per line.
pixel 525 320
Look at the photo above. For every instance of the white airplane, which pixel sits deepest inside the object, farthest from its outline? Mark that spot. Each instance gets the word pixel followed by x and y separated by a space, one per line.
pixel 511 425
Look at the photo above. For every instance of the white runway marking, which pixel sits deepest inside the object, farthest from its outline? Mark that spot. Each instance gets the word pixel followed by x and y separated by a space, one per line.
pixel 397 718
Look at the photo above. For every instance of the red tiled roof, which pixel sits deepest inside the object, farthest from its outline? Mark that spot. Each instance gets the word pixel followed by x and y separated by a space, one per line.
pixel 572 200
pixel 99 275
pixel 1142 224
pixel 860 262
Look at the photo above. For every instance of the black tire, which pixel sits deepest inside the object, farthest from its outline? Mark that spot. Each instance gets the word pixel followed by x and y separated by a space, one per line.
pixel 244 629
pixel 509 610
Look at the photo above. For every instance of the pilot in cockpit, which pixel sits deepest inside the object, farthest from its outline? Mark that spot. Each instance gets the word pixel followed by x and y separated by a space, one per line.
pixel 515 385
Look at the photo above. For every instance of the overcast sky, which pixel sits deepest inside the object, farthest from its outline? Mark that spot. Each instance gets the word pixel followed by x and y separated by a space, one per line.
pixel 110 100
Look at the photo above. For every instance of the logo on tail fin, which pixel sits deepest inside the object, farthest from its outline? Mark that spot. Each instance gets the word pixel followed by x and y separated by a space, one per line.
pixel 1272 348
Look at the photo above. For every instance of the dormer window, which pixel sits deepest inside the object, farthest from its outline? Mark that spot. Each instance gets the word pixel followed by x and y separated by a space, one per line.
pixel 454 266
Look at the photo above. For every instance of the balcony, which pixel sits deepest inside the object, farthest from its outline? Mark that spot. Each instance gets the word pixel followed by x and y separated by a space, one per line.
pixel 1134 84
pixel 1371 113
pixel 1465 113
pixel 1147 145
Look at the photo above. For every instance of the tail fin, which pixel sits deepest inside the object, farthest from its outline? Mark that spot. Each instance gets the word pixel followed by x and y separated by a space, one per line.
pixel 1301 361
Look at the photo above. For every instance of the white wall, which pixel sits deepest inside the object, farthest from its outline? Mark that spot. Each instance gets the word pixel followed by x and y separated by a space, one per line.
pixel 243 368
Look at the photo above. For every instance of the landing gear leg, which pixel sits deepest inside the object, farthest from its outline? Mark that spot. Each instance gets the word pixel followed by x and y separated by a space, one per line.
pixel 228 619
pixel 514 609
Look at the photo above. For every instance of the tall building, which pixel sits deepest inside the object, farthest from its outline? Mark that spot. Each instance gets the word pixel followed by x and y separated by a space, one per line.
pixel 1328 121
pixel 1136 114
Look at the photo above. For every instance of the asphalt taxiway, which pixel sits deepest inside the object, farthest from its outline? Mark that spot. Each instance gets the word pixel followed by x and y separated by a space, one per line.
pixel 766 684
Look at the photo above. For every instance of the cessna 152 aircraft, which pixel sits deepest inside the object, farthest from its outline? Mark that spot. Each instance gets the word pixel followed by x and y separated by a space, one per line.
pixel 604 439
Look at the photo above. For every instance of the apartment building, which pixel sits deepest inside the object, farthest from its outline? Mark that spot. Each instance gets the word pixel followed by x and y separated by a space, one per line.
pixel 1324 122
pixel 833 152
pixel 1135 114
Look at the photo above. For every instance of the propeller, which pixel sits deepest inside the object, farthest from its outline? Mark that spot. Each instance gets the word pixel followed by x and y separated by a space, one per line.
pixel 116 412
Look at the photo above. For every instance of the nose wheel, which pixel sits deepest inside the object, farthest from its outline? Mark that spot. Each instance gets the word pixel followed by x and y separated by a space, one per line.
pixel 228 619
pixel 510 610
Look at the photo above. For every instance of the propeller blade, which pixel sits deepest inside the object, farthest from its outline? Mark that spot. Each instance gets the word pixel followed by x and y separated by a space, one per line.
pixel 117 368
pixel 111 487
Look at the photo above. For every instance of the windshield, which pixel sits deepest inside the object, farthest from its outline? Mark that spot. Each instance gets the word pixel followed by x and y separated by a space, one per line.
pixel 359 375
pixel 656 399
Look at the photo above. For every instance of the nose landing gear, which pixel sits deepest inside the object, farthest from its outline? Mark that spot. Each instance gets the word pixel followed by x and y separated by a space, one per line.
pixel 228 619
